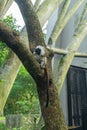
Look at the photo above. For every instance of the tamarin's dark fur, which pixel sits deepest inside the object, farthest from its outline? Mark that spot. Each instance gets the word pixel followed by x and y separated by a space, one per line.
pixel 40 55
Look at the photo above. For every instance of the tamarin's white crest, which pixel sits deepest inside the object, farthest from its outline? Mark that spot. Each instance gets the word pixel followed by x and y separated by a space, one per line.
pixel 40 55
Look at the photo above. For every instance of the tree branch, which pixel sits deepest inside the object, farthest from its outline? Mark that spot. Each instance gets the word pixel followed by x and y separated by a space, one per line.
pixel 51 6
pixel 2 5
pixel 60 19
pixel 83 16
pixel 59 26
pixel 44 16
pixel 65 52
pixel 37 3
pixel 66 60
pixel 33 27
pixel 14 42
pixel 6 7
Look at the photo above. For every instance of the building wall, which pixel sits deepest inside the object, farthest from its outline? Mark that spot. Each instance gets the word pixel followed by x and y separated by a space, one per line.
pixel 64 39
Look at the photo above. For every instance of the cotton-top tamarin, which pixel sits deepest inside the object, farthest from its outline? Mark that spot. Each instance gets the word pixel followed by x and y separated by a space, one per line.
pixel 40 55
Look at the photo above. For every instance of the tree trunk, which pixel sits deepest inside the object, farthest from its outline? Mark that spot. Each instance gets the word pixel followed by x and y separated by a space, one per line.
pixel 53 115
pixel 8 73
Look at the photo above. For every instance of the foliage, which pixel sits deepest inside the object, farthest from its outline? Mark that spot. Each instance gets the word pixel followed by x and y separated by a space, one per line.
pixel 2 126
pixel 3 48
pixel 3 52
pixel 23 97
pixel 11 22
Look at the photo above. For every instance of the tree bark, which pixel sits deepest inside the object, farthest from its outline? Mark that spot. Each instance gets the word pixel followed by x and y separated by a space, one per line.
pixel 53 115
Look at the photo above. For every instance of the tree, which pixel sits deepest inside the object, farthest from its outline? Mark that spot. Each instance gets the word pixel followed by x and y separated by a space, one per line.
pixel 14 58
pixel 53 115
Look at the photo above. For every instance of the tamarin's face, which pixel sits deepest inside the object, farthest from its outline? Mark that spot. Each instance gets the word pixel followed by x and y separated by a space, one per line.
pixel 39 50
pixel 39 54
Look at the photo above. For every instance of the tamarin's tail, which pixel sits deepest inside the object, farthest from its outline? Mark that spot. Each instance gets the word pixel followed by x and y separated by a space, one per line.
pixel 47 84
